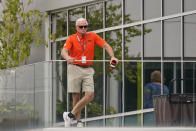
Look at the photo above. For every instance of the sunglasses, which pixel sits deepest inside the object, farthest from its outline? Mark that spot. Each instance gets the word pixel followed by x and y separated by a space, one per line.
pixel 83 27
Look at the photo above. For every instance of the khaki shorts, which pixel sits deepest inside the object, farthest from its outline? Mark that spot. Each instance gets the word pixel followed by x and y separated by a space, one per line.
pixel 80 78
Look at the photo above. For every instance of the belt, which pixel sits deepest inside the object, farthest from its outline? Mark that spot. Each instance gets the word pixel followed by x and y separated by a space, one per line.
pixel 83 66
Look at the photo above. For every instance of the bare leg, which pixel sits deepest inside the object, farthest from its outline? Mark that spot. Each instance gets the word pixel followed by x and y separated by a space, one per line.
pixel 76 98
pixel 88 97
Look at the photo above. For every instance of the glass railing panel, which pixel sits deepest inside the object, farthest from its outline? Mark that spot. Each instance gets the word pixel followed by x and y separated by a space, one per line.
pixel 43 95
pixel 95 108
pixel 178 108
pixel 113 94
pixel 132 120
pixel 149 119
pixel 59 84
pixel 114 122
pixel 25 98
pixel 35 96
pixel 133 86
pixel 188 108
pixel 95 123
pixel 7 100
pixel 172 75
pixel 151 75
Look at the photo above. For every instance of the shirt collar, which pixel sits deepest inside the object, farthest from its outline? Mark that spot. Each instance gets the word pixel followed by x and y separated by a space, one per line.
pixel 80 36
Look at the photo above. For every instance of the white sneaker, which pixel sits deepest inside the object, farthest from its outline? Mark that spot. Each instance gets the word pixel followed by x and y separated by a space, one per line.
pixel 67 120
pixel 80 124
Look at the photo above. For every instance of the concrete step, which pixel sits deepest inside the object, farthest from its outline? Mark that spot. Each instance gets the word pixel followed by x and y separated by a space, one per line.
pixel 121 129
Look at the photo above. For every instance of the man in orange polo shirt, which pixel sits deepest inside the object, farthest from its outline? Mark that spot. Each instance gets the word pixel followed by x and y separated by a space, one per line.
pixel 77 50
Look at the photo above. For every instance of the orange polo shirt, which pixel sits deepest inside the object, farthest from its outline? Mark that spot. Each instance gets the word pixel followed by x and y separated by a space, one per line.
pixel 76 49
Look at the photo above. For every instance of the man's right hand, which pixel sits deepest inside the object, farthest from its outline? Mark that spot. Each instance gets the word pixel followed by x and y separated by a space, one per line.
pixel 65 55
pixel 70 60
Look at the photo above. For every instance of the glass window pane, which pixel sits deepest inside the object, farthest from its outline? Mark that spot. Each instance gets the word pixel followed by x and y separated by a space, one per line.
pixel 189 77
pixel 53 23
pixel 172 38
pixel 98 55
pixel 152 9
pixel 132 120
pixel 61 24
pixel 132 43
pixel 149 119
pixel 132 11
pixel 133 86
pixel 172 7
pixel 172 71
pixel 113 13
pixel 152 40
pixel 95 108
pixel 74 14
pixel 113 89
pixel 59 46
pixel 114 39
pixel 95 17
pixel 150 86
pixel 114 78
pixel 59 83
pixel 56 50
pixel 114 122
pixel 189 5
pixel 189 36
pixel 97 123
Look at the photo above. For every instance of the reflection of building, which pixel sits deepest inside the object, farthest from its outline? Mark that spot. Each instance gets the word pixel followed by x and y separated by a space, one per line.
pixel 148 35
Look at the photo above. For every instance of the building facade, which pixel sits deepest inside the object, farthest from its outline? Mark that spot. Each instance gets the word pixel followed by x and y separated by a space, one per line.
pixel 146 35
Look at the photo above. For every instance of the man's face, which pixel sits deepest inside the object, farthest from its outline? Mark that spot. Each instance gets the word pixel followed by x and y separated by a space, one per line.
pixel 82 27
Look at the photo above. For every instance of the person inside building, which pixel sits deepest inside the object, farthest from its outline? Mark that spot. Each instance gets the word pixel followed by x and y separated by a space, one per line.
pixel 153 88
pixel 78 51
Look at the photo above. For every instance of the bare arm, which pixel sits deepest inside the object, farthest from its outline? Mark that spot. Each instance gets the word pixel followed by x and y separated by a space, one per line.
pixel 65 55
pixel 110 51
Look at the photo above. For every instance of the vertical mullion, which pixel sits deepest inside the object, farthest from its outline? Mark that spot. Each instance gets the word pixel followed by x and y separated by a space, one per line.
pixel 142 58
pixel 54 32
pixel 67 63
pixel 104 70
pixel 162 47
pixel 67 23
pixel 194 93
pixel 182 47
pixel 175 77
pixel 53 66
pixel 123 74
pixel 182 50
pixel 48 30
pixel 34 97
pixel 142 31
pixel 85 109
pixel 86 9
pixel 182 6
pixel 15 99
pixel 123 12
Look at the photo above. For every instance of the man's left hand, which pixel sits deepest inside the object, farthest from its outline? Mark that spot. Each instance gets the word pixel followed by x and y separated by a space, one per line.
pixel 114 58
